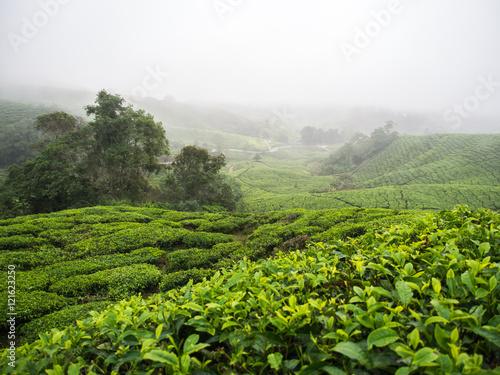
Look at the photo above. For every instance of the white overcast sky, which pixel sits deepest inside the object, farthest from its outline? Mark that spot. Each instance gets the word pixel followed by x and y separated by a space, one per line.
pixel 428 54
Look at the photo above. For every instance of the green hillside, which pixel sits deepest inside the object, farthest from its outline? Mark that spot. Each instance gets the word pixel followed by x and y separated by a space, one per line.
pixel 414 172
pixel 435 159
pixel 208 127
pixel 435 197
pixel 67 259
pixel 374 291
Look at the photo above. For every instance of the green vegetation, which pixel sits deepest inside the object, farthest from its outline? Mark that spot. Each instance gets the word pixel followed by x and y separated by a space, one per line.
pixel 412 172
pixel 17 131
pixel 436 197
pixel 312 136
pixel 359 149
pixel 81 256
pixel 455 159
pixel 381 293
pixel 105 159
pixel 194 181
pixel 327 266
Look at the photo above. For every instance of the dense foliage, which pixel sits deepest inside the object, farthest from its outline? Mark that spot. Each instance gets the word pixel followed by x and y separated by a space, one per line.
pixel 194 181
pixel 457 159
pixel 75 257
pixel 313 136
pixel 17 131
pixel 80 165
pixel 126 145
pixel 418 296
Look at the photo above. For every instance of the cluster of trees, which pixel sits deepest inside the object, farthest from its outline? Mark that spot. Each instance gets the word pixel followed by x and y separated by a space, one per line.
pixel 193 181
pixel 359 148
pixel 312 136
pixel 109 158
pixel 17 132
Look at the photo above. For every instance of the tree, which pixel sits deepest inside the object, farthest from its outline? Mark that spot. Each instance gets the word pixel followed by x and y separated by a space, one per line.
pixel 55 124
pixel 126 145
pixel 81 164
pixel 257 157
pixel 195 177
pixel 52 181
pixel 15 141
pixel 307 134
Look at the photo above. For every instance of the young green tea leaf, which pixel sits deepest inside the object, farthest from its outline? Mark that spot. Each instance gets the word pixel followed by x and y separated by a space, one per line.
pixel 381 337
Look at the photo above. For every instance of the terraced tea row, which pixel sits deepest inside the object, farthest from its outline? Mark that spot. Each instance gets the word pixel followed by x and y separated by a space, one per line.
pixel 437 159
pixel 67 259
pixel 436 197
pixel 416 296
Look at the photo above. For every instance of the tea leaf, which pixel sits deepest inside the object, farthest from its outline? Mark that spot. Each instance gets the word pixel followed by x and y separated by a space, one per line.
pixel 381 337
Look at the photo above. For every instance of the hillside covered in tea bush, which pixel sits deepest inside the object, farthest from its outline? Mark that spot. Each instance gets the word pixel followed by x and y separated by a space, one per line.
pixel 374 291
pixel 69 260
pixel 412 172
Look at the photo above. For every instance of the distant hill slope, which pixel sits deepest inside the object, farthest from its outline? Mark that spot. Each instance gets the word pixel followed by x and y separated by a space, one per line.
pixel 435 159
pixel 414 172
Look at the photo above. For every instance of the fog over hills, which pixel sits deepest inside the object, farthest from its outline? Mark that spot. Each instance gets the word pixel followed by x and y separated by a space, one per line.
pixel 341 64
pixel 246 119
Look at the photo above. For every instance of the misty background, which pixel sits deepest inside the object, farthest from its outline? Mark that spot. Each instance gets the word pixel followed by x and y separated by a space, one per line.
pixel 430 66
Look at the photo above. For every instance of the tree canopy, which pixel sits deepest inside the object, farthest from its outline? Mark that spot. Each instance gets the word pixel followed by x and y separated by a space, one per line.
pixel 109 158
pixel 125 145
pixel 195 180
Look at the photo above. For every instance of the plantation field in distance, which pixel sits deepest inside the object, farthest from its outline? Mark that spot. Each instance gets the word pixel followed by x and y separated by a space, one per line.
pixel 414 172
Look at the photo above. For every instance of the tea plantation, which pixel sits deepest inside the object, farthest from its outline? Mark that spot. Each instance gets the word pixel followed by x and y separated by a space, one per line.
pixel 414 172
pixel 68 259
pixel 348 291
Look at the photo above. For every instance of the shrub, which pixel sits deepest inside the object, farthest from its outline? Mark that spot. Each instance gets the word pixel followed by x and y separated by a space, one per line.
pixel 25 260
pixel 58 237
pixel 10 230
pixel 117 282
pixel 129 239
pixel 165 223
pixel 227 225
pixel 31 305
pixel 40 278
pixel 420 297
pixel 204 239
pixel 20 242
pixel 199 258
pixel 29 332
pixel 193 223
pixel 180 278
pixel 50 223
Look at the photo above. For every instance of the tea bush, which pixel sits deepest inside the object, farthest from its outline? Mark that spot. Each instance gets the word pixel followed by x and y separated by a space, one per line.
pixel 116 283
pixel 199 258
pixel 177 279
pixel 420 297
pixel 31 305
pixel 18 241
pixel 25 260
pixel 14 229
pixel 59 319
pixel 204 239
